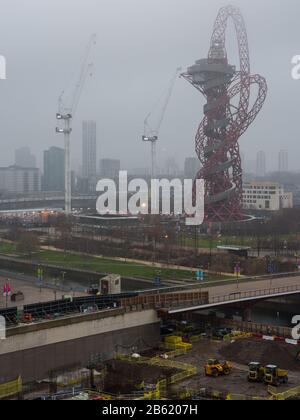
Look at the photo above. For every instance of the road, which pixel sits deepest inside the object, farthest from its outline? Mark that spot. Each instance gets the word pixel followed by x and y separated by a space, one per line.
pixel 222 294
pixel 32 292
pixel 251 286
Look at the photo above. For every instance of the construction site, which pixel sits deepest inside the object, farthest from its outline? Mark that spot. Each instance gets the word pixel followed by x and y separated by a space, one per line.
pixel 156 356
pixel 135 307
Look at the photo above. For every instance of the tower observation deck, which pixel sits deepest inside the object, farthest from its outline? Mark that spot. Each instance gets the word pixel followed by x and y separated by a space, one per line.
pixel 227 115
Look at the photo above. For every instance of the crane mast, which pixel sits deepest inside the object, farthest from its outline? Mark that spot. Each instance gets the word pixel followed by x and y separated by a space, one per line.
pixel 152 135
pixel 66 114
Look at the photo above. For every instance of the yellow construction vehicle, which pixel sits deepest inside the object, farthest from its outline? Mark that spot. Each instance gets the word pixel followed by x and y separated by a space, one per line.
pixel 275 376
pixel 215 368
pixel 256 372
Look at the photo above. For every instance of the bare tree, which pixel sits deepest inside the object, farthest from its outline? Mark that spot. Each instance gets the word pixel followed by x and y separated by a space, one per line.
pixel 28 243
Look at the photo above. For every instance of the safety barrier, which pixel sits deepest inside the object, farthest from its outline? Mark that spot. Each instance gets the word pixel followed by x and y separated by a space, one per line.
pixel 156 361
pixel 11 389
pixel 175 353
pixel 291 393
pixel 239 397
pixel 184 371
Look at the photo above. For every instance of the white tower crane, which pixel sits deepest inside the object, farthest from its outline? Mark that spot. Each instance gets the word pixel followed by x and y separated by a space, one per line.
pixel 66 114
pixel 151 135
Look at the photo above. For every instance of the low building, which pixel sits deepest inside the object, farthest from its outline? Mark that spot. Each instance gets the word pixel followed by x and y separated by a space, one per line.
pixel 268 196
pixel 18 180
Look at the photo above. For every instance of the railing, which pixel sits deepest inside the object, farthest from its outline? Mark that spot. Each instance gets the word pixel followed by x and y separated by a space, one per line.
pixel 239 296
pixel 215 283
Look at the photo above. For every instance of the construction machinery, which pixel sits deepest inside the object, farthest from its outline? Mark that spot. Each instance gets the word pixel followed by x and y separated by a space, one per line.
pixel 275 376
pixel 256 372
pixel 151 133
pixel 215 368
pixel 270 374
pixel 66 114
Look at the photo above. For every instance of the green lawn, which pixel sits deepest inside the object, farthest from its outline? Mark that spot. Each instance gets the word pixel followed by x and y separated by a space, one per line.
pixel 104 265
pixel 251 241
pixel 7 248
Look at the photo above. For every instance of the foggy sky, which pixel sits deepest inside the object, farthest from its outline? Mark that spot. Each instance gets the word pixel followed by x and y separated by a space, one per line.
pixel 140 45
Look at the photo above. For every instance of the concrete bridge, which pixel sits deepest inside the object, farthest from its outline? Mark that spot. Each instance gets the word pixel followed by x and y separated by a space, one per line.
pixel 240 291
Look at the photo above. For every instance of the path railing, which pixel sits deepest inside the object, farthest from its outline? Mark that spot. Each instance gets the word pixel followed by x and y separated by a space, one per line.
pixel 237 297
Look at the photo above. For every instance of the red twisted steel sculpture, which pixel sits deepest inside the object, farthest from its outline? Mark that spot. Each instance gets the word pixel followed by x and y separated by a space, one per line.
pixel 228 114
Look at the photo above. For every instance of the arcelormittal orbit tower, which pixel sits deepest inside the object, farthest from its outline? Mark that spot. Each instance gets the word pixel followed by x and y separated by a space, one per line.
pixel 230 109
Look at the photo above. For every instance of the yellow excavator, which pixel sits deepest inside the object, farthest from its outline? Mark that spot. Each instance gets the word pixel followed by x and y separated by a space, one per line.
pixel 275 376
pixel 215 368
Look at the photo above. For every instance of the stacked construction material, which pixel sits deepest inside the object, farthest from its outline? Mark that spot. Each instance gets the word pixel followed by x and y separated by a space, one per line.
pixel 176 343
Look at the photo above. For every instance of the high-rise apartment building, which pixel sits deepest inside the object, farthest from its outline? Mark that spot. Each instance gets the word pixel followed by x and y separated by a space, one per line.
pixel 261 164
pixel 89 149
pixel 283 161
pixel 191 168
pixel 54 170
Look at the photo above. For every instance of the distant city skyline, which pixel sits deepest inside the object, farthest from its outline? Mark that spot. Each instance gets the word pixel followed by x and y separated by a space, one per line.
pixel 118 100
pixel 261 165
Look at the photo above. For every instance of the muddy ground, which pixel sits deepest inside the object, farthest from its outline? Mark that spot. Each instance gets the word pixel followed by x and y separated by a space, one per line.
pixel 240 353
pixel 265 352
pixel 124 377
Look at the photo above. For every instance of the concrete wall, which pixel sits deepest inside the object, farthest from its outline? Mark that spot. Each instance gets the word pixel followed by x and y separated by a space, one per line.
pixel 33 354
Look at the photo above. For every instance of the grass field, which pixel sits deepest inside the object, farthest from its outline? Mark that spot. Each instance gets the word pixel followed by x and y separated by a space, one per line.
pixel 249 241
pixel 102 265
pixel 7 248
pixel 106 265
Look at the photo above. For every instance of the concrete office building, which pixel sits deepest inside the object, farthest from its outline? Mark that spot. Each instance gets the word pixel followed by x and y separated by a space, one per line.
pixel 16 180
pixel 266 196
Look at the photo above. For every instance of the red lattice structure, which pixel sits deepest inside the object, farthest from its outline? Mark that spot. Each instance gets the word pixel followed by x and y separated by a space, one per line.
pixel 228 114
